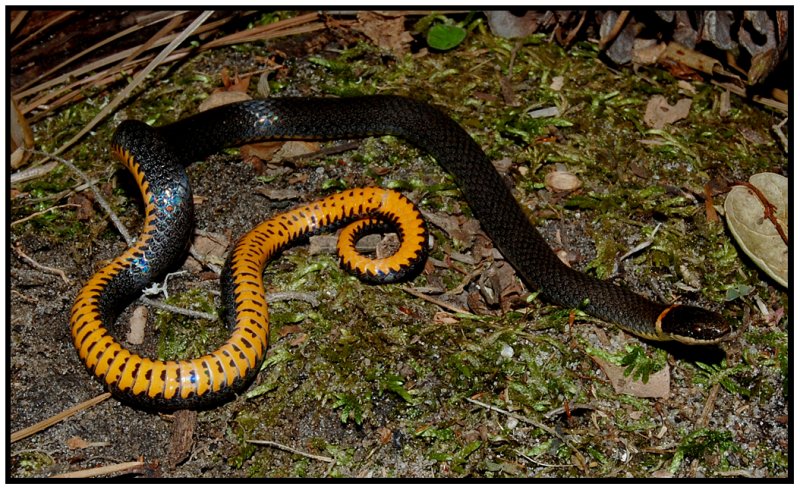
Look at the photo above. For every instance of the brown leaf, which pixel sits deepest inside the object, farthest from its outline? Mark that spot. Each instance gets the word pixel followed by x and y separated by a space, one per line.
pixel 300 339
pixel 221 98
pixel 387 33
pixel 77 443
pixel 288 329
pixel 85 203
pixel 292 149
pixel 262 151
pixel 659 113
pixel 212 248
pixel 444 318
pixel 657 385
pixel 385 435
pixel 234 84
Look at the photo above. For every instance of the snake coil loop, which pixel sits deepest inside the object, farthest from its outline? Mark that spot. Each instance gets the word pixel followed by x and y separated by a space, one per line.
pixel 156 157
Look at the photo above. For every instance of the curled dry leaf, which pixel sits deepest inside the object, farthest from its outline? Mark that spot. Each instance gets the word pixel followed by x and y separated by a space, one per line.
pixel 755 233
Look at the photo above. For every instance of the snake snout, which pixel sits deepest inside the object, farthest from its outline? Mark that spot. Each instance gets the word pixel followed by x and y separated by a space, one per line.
pixel 695 325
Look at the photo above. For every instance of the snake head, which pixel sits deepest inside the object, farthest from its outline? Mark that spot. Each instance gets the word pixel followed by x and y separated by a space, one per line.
pixel 692 325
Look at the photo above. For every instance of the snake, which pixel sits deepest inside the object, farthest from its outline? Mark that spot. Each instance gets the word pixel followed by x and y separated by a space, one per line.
pixel 157 158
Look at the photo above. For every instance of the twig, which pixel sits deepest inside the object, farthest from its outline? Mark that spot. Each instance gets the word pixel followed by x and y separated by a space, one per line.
pixel 534 423
pixel 102 470
pixel 618 25
pixel 309 298
pixel 270 298
pixel 521 418
pixel 97 195
pixel 708 407
pixel 40 426
pixel 777 129
pixel 178 310
pixel 39 213
pixel 32 172
pixel 329 150
pixel 51 270
pixel 769 208
pixel 430 299
pixel 290 450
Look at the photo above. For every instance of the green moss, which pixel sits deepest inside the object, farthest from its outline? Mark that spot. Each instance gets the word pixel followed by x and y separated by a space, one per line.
pixel 182 337
pixel 29 464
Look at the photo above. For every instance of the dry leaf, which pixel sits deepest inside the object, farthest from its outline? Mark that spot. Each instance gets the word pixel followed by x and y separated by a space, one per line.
pixel 77 443
pixel 288 330
pixel 292 149
pixel 387 33
pixel 85 210
pixel 657 385
pixel 221 98
pixel 300 339
pixel 444 318
pixel 647 51
pixel 659 113
pixel 322 244
pixel 757 235
pixel 262 151
pixel 211 248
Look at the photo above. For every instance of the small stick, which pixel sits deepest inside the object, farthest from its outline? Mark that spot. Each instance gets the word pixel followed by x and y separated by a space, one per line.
pixel 709 406
pixel 430 299
pixel 271 298
pixel 769 209
pixel 39 213
pixel 288 449
pixel 178 310
pixel 102 470
pixel 97 195
pixel 40 426
pixel 51 270
pixel 521 418
pixel 618 25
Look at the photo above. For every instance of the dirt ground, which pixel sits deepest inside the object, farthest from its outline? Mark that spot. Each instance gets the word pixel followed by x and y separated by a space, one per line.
pixel 377 382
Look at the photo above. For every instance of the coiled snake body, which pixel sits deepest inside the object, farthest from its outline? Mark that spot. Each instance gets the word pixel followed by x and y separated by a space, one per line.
pixel 157 156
